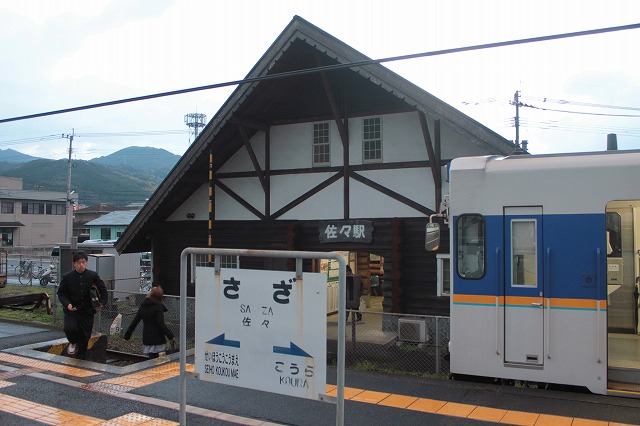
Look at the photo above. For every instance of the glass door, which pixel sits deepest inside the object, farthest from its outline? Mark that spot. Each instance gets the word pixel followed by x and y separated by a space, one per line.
pixel 524 307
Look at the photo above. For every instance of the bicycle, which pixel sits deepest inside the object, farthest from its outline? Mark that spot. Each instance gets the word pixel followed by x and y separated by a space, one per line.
pixel 28 276
pixel 22 267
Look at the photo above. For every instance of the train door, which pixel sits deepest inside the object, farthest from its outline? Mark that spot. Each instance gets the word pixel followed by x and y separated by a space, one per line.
pixel 623 258
pixel 524 308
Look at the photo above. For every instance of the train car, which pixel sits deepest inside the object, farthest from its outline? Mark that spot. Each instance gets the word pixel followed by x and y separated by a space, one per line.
pixel 545 252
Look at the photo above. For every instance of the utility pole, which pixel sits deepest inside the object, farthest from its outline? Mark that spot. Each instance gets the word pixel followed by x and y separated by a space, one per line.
pixel 68 205
pixel 516 102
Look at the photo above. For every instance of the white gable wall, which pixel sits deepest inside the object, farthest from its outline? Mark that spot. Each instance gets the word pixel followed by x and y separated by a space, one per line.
pixel 292 148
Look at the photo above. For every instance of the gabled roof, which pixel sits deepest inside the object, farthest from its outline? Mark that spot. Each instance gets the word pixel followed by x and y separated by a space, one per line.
pixel 105 207
pixel 34 195
pixel 359 91
pixel 117 218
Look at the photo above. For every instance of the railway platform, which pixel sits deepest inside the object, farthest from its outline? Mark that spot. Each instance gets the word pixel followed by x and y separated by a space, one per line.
pixel 43 388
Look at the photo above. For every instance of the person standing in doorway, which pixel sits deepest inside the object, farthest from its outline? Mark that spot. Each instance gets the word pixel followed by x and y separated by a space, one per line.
pixel 74 294
pixel 154 330
pixel 354 291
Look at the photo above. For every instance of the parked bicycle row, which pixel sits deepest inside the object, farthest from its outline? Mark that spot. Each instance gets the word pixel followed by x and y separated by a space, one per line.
pixel 27 270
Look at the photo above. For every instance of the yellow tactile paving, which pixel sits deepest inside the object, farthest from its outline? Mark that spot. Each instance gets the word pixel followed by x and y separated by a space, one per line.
pixel 398 401
pixel 586 422
pixel 520 418
pixel 370 397
pixel 136 419
pixel 126 383
pixel 549 420
pixel 53 416
pixel 456 409
pixel 45 365
pixel 150 376
pixel 426 405
pixel 348 392
pixel 488 414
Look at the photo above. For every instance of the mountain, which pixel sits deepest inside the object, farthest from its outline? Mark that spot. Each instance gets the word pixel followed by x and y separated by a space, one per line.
pixel 12 156
pixel 157 162
pixel 126 176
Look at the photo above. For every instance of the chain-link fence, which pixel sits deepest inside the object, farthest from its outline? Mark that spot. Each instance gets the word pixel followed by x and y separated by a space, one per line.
pixel 393 343
pixel 375 341
pixel 126 304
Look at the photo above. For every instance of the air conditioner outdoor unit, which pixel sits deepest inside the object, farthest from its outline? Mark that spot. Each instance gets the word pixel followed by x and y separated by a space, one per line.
pixel 412 330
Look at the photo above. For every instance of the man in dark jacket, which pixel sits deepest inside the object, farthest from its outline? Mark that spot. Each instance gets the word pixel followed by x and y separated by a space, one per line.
pixel 151 312
pixel 74 294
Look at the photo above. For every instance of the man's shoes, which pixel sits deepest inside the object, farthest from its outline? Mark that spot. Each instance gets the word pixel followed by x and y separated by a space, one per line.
pixel 71 349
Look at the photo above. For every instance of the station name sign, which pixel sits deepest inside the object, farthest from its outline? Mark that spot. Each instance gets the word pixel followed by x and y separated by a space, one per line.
pixel 346 231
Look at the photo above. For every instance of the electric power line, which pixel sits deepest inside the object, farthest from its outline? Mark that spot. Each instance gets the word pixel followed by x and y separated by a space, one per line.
pixel 587 104
pixel 579 112
pixel 93 135
pixel 327 68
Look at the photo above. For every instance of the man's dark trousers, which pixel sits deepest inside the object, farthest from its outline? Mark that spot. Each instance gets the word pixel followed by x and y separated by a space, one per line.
pixel 78 326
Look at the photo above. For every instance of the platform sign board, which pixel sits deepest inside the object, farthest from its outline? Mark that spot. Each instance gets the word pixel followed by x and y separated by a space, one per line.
pixel 262 330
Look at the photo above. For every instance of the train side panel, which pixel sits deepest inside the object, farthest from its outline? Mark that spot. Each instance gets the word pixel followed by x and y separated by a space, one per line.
pixel 537 311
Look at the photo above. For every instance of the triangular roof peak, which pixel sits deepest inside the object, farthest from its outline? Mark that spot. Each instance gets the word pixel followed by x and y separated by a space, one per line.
pixel 290 66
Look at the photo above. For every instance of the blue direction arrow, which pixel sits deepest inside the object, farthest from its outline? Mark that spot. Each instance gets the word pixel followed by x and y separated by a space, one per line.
pixel 291 350
pixel 220 340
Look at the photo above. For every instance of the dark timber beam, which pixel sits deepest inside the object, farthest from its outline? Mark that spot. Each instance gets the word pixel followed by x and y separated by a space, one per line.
pixel 239 199
pixel 267 172
pixel 392 194
pixel 248 122
pixel 340 122
pixel 433 159
pixel 344 136
pixel 307 195
pixel 253 157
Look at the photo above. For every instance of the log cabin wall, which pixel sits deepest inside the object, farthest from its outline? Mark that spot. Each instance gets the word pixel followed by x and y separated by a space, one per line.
pixel 408 284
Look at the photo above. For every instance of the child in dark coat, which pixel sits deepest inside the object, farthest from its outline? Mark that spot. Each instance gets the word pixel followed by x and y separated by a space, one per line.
pixel 154 330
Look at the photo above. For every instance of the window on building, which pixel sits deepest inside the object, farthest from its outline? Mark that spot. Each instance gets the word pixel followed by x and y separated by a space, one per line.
pixel 444 274
pixel 372 140
pixel 105 233
pixel 470 254
pixel 321 145
pixel 57 209
pixel 6 207
pixel 32 208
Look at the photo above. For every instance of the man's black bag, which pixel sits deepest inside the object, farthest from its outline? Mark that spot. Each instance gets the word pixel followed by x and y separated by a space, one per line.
pixel 95 297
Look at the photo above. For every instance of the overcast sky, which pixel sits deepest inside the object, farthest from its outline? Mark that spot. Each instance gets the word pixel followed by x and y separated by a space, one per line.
pixel 63 53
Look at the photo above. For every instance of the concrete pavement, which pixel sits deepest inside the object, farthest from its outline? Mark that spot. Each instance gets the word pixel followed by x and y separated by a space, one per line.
pixel 37 388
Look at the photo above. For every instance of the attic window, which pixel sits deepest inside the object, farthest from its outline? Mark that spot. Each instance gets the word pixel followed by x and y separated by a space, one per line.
pixel 372 140
pixel 321 153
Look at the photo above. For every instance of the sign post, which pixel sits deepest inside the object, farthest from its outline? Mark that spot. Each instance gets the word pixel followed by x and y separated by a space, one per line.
pixel 263 330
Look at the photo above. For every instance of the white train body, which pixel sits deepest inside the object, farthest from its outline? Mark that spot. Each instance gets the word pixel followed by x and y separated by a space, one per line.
pixel 532 241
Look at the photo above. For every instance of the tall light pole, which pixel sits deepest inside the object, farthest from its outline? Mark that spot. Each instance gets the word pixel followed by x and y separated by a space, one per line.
pixel 195 121
pixel 68 215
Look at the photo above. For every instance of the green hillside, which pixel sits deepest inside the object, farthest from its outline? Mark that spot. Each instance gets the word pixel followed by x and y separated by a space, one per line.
pixel 126 176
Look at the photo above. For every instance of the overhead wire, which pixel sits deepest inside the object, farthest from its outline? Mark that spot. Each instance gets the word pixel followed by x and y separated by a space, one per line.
pixel 587 104
pixel 313 70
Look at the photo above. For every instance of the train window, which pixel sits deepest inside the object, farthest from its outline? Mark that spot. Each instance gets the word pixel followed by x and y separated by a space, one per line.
pixel 614 231
pixel 524 256
pixel 470 254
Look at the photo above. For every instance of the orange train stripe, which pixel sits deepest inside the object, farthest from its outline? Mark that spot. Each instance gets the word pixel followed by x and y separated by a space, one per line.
pixel 556 303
